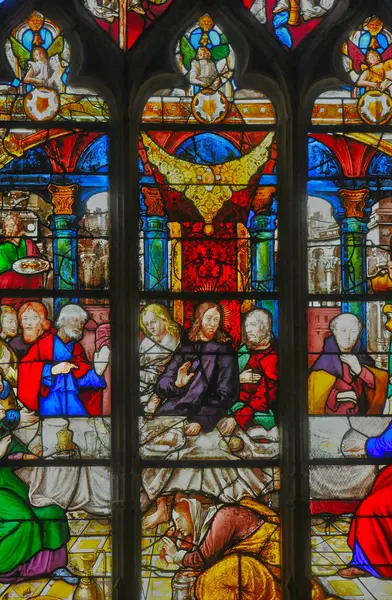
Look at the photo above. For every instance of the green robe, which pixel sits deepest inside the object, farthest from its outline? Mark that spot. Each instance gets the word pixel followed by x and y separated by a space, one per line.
pixel 25 530
pixel 9 253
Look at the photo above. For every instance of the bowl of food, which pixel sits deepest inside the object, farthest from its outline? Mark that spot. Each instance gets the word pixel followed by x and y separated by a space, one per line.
pixel 31 265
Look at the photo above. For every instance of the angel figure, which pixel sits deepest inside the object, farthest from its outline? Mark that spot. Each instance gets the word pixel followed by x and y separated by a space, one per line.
pixel 38 65
pixel 202 67
pixel 374 69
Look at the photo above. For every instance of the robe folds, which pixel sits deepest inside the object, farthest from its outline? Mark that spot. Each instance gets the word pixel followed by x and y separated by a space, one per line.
pixel 250 570
pixel 246 543
pixel 32 540
pixel 257 399
pixel 329 376
pixel 33 386
pixel 370 534
pixel 210 393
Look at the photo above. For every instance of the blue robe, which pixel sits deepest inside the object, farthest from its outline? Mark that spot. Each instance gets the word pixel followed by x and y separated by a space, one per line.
pixel 63 398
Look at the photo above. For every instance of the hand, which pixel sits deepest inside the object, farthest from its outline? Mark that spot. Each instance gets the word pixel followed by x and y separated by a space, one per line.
pixel 101 360
pixel 353 363
pixel 192 429
pixel 183 377
pixel 152 406
pixel 227 426
pixel 27 418
pixel 249 376
pixel 4 443
pixel 349 396
pixel 354 444
pixel 2 413
pixel 29 457
pixel 63 368
pixel 170 547
pixel 37 450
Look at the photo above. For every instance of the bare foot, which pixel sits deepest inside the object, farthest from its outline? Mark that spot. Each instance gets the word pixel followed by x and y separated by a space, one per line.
pixel 161 515
pixel 353 572
pixel 192 429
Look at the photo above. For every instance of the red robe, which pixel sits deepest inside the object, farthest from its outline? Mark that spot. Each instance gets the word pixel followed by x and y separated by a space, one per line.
pixel 261 396
pixel 30 388
pixel 372 525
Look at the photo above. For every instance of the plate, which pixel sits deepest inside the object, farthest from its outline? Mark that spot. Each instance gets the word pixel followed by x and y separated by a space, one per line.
pixel 164 444
pixel 31 265
pixel 64 454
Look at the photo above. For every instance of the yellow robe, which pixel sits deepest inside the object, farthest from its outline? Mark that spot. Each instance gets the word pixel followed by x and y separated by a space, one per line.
pixel 251 569
pixel 321 383
pixel 242 569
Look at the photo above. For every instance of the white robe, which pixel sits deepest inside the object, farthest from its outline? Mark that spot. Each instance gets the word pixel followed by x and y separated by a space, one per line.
pixel 153 359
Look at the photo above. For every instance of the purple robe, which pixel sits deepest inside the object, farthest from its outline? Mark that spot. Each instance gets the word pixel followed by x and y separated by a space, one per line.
pixel 210 393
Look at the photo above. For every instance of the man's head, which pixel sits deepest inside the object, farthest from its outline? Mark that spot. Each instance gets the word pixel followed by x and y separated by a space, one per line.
pixel 8 322
pixel 346 329
pixel 373 58
pixel 33 319
pixel 258 329
pixel 156 322
pixel 71 321
pixel 12 225
pixel 207 323
pixel 182 518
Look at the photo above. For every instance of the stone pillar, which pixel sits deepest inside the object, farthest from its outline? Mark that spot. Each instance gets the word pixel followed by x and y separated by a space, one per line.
pixel 64 227
pixel 353 231
pixel 155 253
pixel 156 239
pixel 330 265
pixel 262 239
pixel 262 236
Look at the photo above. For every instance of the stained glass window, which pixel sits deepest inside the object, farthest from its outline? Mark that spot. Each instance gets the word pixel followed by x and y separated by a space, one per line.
pixel 195 300
pixel 126 20
pixel 290 20
pixel 349 253
pixel 55 406
pixel 208 327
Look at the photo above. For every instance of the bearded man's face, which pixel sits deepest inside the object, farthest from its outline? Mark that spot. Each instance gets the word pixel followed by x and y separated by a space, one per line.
pixel 73 328
pixel 257 331
pixel 31 326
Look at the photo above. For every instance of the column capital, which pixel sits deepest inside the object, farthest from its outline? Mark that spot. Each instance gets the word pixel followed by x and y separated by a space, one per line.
pixel 153 201
pixel 354 201
pixel 63 198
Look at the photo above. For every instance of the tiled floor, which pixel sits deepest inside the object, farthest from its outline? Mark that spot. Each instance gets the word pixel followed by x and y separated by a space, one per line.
pixel 88 537
pixel 330 553
pixel 157 574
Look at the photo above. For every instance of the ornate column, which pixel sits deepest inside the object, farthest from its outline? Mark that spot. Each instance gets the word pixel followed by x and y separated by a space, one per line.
pixel 353 231
pixel 156 233
pixel 330 264
pixel 64 227
pixel 262 234
pixel 262 239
